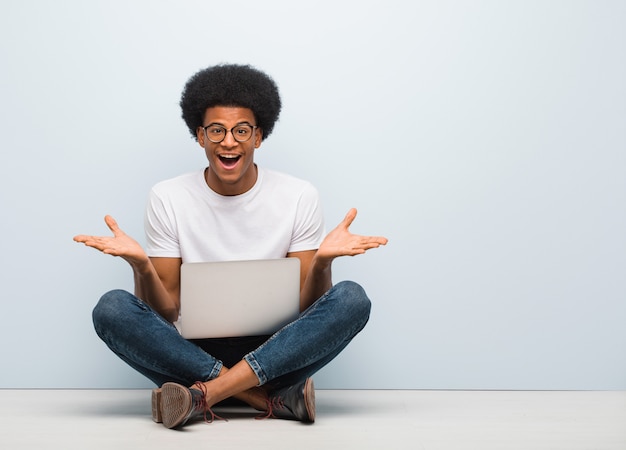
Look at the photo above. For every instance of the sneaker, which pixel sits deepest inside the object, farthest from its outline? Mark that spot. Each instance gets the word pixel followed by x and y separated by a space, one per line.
pixel 179 404
pixel 156 405
pixel 293 402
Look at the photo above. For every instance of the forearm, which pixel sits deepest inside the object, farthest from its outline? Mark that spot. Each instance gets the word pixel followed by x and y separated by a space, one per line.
pixel 317 282
pixel 149 287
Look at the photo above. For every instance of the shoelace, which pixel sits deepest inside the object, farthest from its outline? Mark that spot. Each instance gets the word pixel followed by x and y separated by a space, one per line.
pixel 272 404
pixel 201 403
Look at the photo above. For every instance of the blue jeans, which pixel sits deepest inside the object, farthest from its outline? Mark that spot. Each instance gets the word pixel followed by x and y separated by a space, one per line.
pixel 153 346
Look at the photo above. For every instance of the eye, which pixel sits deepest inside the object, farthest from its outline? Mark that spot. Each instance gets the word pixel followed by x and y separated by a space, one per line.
pixel 215 130
pixel 242 130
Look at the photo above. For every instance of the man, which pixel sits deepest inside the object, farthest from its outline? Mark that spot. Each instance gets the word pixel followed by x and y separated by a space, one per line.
pixel 231 210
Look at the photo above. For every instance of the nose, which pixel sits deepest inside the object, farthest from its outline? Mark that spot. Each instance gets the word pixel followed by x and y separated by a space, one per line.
pixel 229 139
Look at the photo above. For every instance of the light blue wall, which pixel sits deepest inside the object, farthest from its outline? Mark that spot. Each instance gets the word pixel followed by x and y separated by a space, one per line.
pixel 486 139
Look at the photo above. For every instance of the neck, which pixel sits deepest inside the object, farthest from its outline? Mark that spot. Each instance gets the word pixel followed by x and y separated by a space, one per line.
pixel 231 188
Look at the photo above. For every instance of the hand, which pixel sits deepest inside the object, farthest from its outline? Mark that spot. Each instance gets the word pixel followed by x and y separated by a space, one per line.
pixel 340 242
pixel 120 244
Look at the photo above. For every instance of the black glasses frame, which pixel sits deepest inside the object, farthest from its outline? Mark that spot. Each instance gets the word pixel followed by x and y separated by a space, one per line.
pixel 226 130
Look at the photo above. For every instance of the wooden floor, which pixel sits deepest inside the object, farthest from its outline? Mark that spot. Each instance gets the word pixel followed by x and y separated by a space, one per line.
pixel 441 420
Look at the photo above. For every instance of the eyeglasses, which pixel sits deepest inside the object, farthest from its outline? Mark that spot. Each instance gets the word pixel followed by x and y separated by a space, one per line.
pixel 217 133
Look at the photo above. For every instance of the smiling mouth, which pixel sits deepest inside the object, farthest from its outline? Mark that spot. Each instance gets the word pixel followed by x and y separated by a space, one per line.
pixel 229 161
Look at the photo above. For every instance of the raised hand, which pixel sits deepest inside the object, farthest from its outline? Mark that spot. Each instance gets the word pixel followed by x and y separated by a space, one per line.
pixel 340 242
pixel 120 244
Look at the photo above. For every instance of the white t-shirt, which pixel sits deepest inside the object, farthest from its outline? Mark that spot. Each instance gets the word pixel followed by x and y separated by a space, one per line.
pixel 187 219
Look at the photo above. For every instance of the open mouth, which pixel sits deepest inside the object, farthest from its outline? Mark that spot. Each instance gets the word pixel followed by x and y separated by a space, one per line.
pixel 229 161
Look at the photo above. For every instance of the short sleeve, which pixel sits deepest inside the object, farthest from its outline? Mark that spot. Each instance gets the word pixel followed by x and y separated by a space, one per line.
pixel 309 229
pixel 160 228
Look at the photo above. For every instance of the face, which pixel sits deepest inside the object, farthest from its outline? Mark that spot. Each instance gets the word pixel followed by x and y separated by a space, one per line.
pixel 231 168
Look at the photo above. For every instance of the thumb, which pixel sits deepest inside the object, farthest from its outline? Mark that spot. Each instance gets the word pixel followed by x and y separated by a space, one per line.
pixel 113 226
pixel 347 221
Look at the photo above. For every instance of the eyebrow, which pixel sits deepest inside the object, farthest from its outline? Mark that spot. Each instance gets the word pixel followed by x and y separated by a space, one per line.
pixel 245 122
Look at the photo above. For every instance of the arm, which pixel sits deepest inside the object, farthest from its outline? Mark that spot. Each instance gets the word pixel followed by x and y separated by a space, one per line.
pixel 315 266
pixel 159 286
pixel 157 280
pixel 313 281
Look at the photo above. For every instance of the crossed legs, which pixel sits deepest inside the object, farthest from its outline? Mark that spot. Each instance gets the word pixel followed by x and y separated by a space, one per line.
pixel 153 347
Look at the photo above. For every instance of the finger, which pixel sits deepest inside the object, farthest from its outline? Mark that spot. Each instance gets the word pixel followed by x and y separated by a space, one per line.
pixel 88 240
pixel 347 221
pixel 370 242
pixel 378 240
pixel 113 226
pixel 368 246
pixel 92 241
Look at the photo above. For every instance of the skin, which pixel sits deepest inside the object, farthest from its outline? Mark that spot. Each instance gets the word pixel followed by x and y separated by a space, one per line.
pixel 239 178
pixel 157 280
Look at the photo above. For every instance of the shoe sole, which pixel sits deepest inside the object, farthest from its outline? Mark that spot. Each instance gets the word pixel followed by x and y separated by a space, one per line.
pixel 176 403
pixel 156 406
pixel 309 399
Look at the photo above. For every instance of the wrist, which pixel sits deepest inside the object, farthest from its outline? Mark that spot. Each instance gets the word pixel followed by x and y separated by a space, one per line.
pixel 141 266
pixel 321 263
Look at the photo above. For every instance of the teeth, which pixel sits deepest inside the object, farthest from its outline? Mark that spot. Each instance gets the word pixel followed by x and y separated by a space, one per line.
pixel 229 156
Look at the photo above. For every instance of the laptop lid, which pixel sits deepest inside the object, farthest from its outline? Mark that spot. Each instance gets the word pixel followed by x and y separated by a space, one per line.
pixel 238 298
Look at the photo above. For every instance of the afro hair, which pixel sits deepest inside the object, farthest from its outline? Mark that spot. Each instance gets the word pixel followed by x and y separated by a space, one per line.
pixel 231 85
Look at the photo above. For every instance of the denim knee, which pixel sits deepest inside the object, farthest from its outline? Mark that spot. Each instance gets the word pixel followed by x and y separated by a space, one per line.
pixel 111 308
pixel 352 299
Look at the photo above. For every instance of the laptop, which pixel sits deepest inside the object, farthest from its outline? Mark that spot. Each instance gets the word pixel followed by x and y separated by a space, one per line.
pixel 238 298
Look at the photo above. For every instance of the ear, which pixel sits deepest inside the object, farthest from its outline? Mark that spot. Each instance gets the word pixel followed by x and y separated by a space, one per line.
pixel 258 137
pixel 200 136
